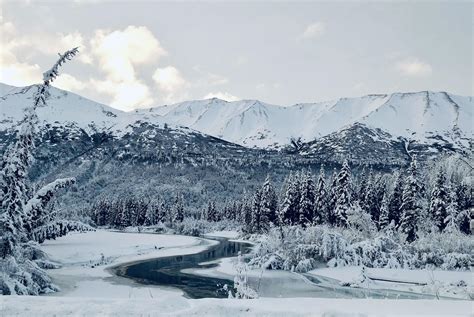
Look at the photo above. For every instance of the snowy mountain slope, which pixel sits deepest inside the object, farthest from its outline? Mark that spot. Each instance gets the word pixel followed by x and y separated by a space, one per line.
pixel 63 108
pixel 415 116
pixel 422 117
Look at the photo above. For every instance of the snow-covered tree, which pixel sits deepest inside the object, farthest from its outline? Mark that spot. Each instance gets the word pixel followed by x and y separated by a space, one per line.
pixel 411 202
pixel 343 194
pixel 384 219
pixel 307 199
pixel 257 219
pixel 395 201
pixel 439 200
pixel 269 204
pixel 24 214
pixel 241 284
pixel 178 209
pixel 320 214
pixel 451 220
pixel 290 201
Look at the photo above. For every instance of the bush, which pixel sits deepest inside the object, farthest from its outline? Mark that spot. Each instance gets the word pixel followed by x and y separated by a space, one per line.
pixel 300 249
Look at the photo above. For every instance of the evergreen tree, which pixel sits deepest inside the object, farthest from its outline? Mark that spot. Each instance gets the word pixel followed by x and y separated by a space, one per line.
pixel 375 194
pixel 178 209
pixel 257 212
pixel 384 219
pixel 321 211
pixel 307 199
pixel 395 202
pixel 21 211
pixel 439 200
pixel 331 214
pixel 343 194
pixel 411 202
pixel 290 202
pixel 269 204
pixel 247 217
pixel 452 212
pixel 363 185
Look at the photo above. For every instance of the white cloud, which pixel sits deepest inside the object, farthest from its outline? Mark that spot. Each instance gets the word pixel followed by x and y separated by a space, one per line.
pixel 171 84
pixel 12 71
pixel 221 95
pixel 69 82
pixel 313 30
pixel 168 79
pixel 414 67
pixel 119 51
pixel 126 95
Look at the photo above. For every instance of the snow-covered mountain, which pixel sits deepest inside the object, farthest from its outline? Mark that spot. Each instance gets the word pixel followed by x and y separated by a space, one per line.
pixel 416 116
pixel 422 117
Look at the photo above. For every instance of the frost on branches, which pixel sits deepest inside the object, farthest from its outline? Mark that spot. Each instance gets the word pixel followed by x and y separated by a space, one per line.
pixel 24 216
pixel 241 285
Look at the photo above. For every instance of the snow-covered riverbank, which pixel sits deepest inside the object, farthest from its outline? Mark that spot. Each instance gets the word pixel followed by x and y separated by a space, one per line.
pixel 87 257
pixel 89 289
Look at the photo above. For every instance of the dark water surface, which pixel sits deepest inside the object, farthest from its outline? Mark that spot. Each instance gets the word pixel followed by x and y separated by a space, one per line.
pixel 166 271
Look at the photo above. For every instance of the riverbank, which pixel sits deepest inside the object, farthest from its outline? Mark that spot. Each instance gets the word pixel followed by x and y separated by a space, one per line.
pixel 89 289
pixel 86 260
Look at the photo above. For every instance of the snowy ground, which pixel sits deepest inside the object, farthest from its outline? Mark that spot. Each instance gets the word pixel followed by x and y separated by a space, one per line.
pixel 85 273
pixel 89 289
pixel 456 284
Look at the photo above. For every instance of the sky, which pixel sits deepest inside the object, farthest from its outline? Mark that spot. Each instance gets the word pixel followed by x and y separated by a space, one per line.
pixel 138 54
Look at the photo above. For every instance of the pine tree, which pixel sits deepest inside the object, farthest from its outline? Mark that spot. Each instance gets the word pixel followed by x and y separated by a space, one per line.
pixel 411 202
pixel 343 194
pixel 395 202
pixel 320 214
pixel 307 199
pixel 331 215
pixel 384 219
pixel 247 217
pixel 363 185
pixel 452 212
pixel 15 221
pixel 178 209
pixel 256 212
pixel 439 200
pixel 289 207
pixel 269 204
pixel 375 194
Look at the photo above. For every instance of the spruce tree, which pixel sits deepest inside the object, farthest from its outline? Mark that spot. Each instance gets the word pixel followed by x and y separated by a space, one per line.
pixel 439 200
pixel 178 209
pixel 257 212
pixel 384 219
pixel 307 199
pixel 452 212
pixel 17 223
pixel 331 215
pixel 320 214
pixel 343 194
pixel 411 202
pixel 290 202
pixel 395 202
pixel 269 204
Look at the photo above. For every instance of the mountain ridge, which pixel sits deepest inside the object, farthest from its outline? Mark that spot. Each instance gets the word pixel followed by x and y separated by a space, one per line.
pixel 417 116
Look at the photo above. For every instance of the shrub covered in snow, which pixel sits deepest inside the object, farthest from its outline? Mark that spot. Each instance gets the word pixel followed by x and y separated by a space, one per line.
pixel 300 249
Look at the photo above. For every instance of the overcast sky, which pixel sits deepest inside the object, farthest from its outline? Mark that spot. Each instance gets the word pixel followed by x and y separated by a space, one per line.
pixel 140 54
